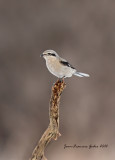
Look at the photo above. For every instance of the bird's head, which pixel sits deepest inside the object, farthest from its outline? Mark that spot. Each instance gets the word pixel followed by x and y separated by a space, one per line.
pixel 49 54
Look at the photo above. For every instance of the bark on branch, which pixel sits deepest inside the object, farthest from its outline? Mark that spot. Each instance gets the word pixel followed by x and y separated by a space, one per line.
pixel 52 132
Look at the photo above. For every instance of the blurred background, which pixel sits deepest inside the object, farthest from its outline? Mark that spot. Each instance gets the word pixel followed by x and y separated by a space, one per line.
pixel 83 32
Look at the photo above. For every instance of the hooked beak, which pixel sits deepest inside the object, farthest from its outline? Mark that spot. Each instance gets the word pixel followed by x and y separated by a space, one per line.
pixel 41 55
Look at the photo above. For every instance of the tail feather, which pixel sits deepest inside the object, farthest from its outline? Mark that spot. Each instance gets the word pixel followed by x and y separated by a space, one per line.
pixel 80 74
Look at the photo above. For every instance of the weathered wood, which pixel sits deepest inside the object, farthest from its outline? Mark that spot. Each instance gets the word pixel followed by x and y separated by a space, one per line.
pixel 52 132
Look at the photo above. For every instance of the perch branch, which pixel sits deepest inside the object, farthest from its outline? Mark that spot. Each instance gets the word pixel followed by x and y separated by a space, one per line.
pixel 52 132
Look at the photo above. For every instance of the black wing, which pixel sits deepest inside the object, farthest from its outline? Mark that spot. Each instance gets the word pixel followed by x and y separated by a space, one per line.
pixel 65 63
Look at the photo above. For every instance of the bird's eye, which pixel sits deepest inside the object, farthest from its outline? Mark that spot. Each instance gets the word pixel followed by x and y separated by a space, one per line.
pixel 51 54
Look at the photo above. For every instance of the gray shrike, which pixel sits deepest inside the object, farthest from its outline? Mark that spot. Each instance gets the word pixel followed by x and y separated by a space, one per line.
pixel 59 66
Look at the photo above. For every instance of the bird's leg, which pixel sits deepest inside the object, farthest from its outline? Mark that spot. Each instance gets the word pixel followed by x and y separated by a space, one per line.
pixel 60 79
pixel 63 78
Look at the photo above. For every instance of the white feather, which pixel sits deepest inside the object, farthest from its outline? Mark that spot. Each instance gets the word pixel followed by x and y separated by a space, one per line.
pixel 80 74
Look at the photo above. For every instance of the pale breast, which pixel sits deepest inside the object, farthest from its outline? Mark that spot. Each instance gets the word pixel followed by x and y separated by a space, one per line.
pixel 58 69
pixel 54 67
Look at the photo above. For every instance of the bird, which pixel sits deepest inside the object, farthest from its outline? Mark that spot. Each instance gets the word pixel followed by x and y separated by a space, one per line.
pixel 59 67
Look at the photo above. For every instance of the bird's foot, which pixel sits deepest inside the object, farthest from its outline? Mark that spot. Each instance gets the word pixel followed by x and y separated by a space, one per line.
pixel 61 79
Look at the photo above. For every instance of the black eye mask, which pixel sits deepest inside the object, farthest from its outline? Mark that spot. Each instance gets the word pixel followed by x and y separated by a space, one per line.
pixel 51 54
